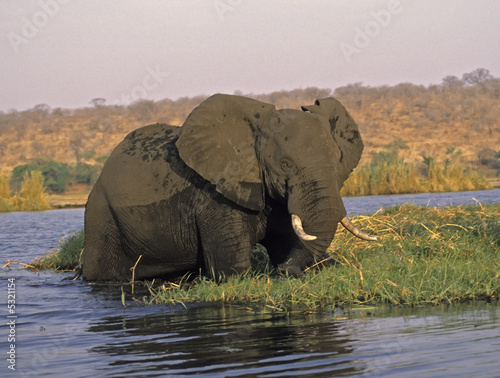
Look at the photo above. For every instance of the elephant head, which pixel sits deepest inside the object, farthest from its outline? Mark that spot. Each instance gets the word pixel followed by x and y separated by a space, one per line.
pixel 346 135
pixel 252 152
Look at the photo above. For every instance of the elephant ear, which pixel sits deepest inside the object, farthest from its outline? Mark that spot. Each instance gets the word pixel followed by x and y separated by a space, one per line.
pixel 217 140
pixel 345 133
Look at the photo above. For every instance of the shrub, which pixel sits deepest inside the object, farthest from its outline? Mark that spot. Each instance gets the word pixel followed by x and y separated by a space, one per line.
pixel 32 195
pixel 4 186
pixel 4 194
pixel 18 174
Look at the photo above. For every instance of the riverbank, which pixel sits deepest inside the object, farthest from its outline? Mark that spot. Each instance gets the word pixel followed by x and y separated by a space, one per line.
pixel 423 256
pixel 68 200
pixel 78 198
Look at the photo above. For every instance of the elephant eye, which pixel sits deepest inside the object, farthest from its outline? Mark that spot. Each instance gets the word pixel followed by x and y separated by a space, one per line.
pixel 286 165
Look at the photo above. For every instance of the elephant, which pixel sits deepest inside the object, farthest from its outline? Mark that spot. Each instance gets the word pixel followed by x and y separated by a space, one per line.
pixel 173 200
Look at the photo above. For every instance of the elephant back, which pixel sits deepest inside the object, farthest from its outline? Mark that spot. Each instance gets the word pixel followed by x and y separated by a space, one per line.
pixel 140 167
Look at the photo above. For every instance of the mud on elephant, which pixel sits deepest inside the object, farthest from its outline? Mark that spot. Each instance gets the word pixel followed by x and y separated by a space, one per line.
pixel 237 172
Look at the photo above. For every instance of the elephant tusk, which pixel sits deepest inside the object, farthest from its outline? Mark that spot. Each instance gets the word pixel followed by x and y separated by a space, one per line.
pixel 297 227
pixel 346 222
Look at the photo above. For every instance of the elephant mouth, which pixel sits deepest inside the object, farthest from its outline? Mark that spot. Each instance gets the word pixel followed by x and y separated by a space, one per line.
pixel 346 222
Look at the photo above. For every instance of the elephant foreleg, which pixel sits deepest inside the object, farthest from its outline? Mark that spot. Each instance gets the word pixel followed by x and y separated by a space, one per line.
pixel 227 244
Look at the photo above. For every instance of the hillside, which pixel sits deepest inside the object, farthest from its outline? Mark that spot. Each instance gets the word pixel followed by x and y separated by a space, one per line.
pixel 459 116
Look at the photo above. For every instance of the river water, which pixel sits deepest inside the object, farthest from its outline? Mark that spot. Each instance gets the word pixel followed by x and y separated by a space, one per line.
pixel 73 329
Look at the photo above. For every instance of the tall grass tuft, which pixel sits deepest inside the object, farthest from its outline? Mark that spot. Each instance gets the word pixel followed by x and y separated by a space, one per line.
pixel 359 182
pixel 453 177
pixel 398 177
pixel 32 194
pixel 67 255
pixel 393 178
pixel 4 193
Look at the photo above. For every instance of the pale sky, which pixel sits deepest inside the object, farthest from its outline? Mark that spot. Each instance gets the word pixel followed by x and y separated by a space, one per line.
pixel 64 53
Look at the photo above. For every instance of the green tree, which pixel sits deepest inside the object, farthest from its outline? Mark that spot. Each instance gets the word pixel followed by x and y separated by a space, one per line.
pixel 87 174
pixel 56 176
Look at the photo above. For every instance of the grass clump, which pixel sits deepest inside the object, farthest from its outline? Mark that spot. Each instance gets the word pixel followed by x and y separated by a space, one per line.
pixel 425 255
pixel 67 256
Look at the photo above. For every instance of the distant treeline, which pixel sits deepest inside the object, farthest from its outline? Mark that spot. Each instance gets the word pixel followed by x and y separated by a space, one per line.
pixel 460 113
pixel 56 175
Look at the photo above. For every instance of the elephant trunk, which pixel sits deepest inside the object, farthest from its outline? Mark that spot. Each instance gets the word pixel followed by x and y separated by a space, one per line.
pixel 316 208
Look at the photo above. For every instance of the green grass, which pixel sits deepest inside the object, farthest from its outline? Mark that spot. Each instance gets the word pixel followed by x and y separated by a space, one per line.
pixel 66 256
pixel 423 256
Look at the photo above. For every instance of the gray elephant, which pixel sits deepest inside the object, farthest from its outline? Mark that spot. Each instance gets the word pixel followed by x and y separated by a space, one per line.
pixel 238 172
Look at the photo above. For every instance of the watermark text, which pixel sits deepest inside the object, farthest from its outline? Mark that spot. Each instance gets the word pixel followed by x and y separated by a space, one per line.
pixel 11 323
pixel 364 36
pixel 32 26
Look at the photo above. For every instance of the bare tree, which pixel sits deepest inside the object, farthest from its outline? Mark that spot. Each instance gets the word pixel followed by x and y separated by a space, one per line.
pixel 98 101
pixel 452 82
pixel 477 76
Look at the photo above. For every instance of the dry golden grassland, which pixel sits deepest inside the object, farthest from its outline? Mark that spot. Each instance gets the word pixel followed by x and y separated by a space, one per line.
pixel 430 120
pixel 454 125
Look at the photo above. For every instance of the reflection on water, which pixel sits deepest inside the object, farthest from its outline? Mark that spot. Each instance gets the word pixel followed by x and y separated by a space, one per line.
pixel 461 340
pixel 231 341
pixel 213 340
pixel 74 329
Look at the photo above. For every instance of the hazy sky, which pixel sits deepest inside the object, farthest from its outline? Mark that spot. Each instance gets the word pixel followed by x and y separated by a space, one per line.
pixel 64 53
